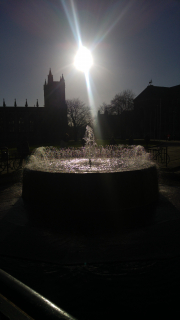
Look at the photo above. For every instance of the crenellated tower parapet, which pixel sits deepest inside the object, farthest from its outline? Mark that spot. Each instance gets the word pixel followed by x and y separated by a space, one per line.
pixel 54 92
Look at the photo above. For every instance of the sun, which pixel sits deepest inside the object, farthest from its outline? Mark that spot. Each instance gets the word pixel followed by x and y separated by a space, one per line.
pixel 83 60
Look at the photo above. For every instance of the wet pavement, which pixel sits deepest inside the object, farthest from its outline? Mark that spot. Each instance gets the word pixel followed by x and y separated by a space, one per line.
pixel 92 274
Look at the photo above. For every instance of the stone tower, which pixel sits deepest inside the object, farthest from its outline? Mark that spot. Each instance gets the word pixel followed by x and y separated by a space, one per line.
pixel 55 109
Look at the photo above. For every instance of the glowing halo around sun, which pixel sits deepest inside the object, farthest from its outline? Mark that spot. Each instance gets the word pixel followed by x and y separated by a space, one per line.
pixel 83 60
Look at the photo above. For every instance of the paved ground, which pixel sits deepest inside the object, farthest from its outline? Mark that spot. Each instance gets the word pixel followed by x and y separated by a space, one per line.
pixel 98 275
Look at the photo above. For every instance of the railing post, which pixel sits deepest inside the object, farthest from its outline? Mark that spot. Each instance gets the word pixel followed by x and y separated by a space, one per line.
pixel 7 160
pixel 4 156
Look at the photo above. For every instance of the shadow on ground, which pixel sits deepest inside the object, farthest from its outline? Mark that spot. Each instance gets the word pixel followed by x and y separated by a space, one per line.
pixel 93 274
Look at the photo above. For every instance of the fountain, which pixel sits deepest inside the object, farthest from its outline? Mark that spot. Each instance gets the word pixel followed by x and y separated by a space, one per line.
pixel 91 180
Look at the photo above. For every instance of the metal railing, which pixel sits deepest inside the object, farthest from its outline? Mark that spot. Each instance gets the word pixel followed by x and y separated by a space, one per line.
pixel 160 154
pixel 18 301
pixel 9 160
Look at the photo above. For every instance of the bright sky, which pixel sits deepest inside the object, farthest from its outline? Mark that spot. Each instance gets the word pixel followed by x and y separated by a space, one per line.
pixel 132 42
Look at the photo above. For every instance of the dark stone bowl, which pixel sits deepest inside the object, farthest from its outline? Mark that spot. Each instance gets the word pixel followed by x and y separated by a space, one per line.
pixel 91 196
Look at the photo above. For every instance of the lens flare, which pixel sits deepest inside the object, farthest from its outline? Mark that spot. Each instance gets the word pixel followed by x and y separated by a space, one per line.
pixel 83 60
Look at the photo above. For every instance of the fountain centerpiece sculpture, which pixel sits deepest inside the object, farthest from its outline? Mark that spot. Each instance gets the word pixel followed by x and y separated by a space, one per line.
pixel 91 178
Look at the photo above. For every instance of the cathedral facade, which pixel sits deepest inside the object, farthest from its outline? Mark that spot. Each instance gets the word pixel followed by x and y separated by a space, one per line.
pixel 46 125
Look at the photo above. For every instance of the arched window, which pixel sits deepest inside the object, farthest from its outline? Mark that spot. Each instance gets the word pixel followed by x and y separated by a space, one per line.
pixel 1 124
pixel 21 125
pixel 11 125
pixel 31 125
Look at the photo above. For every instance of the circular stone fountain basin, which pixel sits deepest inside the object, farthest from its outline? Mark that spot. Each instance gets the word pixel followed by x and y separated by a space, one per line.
pixel 91 191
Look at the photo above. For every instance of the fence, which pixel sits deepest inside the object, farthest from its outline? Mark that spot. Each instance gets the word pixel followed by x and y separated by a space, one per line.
pixel 160 154
pixel 10 160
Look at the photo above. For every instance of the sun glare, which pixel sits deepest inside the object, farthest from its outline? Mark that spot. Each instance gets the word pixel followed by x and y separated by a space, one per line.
pixel 83 59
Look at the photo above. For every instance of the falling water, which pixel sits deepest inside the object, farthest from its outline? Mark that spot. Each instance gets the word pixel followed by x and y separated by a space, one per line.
pixel 89 159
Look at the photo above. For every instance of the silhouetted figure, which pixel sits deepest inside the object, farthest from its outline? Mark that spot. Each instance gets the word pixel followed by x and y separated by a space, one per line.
pixel 23 151
pixel 112 141
pixel 64 141
pixel 83 142
pixel 66 137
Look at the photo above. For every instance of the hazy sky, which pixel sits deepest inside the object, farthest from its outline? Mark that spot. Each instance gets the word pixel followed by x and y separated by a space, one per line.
pixel 132 42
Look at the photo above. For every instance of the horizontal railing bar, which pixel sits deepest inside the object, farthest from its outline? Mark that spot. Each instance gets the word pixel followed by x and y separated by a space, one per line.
pixel 11 311
pixel 28 300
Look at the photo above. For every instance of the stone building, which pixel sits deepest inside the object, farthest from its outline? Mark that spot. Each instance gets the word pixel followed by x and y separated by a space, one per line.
pixel 157 113
pixel 36 124
pixel 116 126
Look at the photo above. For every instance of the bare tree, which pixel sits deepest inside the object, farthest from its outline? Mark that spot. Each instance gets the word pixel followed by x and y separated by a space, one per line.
pixel 79 115
pixel 103 107
pixel 122 101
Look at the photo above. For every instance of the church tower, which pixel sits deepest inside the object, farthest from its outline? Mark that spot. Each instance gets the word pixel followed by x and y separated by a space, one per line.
pixel 55 108
pixel 54 92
